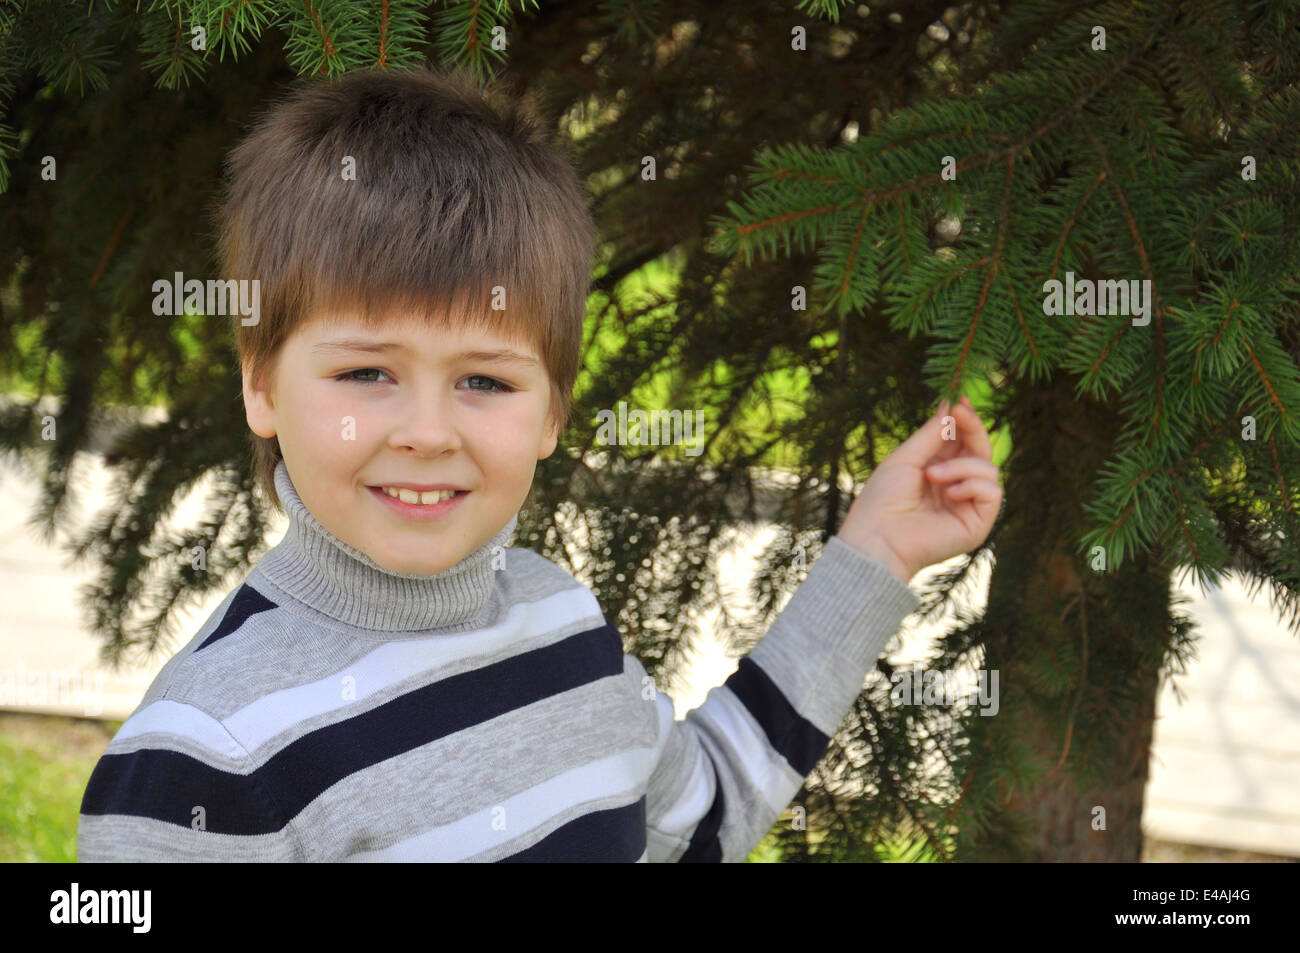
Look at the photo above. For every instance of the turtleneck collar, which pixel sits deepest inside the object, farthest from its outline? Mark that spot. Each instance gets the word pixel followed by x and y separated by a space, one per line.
pixel 317 568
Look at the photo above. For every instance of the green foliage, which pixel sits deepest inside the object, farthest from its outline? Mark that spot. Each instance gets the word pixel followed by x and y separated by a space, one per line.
pixel 1137 202
pixel 179 39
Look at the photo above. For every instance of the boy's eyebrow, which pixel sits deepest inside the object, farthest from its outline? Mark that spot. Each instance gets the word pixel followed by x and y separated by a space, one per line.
pixel 504 355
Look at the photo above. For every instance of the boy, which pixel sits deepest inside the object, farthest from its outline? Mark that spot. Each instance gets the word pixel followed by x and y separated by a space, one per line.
pixel 392 681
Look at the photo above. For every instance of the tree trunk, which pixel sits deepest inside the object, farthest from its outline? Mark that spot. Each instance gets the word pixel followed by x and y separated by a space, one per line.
pixel 1078 651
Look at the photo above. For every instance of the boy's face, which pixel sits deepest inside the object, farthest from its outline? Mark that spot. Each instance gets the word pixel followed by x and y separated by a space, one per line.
pixel 350 421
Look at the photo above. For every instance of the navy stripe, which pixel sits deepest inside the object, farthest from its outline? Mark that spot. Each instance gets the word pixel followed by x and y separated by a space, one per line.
pixel 793 736
pixel 247 602
pixel 169 786
pixel 321 759
pixel 165 784
pixel 615 836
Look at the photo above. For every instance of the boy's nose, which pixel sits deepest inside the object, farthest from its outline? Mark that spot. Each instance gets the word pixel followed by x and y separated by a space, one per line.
pixel 427 425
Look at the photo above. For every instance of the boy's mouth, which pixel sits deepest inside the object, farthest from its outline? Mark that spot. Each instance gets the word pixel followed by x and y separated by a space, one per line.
pixel 409 503
pixel 425 497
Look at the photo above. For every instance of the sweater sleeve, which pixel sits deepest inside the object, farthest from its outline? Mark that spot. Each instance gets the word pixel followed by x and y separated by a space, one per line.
pixel 723 775
pixel 175 785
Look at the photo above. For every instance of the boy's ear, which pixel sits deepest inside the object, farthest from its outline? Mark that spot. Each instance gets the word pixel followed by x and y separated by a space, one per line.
pixel 550 438
pixel 258 407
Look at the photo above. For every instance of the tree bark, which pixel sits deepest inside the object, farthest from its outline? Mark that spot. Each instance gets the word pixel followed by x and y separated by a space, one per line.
pixel 1078 650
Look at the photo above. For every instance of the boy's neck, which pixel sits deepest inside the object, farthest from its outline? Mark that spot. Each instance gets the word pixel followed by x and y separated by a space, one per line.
pixel 317 568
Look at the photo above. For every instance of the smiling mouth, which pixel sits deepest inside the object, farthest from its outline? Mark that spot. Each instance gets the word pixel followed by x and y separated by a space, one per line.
pixel 415 498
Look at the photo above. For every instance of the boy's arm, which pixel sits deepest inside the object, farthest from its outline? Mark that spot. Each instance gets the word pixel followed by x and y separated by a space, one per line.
pixel 174 785
pixel 726 772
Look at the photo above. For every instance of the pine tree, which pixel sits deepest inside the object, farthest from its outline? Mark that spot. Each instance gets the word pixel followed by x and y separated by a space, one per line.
pixel 1147 143
pixel 1130 443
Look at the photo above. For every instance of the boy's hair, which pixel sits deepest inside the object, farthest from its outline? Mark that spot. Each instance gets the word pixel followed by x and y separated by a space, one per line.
pixel 458 189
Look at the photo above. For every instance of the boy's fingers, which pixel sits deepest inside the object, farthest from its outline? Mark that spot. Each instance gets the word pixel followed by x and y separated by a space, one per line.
pixel 960 468
pixel 926 443
pixel 963 467
pixel 972 431
pixel 983 491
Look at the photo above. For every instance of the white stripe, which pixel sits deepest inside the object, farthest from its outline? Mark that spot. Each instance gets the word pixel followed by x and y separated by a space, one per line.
pixel 186 721
pixel 394 662
pixel 725 717
pixel 684 815
pixel 681 817
pixel 622 773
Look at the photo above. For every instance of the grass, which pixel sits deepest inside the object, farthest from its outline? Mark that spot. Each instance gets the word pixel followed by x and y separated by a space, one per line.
pixel 901 852
pixel 45 763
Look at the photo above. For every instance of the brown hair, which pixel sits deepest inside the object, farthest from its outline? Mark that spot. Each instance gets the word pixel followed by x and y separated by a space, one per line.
pixel 458 188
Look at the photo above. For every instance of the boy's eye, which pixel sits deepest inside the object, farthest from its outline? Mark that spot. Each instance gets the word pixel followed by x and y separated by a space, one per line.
pixel 493 382
pixel 496 384
pixel 347 375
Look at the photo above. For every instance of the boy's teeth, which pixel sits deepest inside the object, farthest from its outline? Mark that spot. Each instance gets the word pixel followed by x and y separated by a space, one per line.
pixel 410 496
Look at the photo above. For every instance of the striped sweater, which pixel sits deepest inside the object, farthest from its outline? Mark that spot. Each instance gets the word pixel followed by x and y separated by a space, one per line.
pixel 332 710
